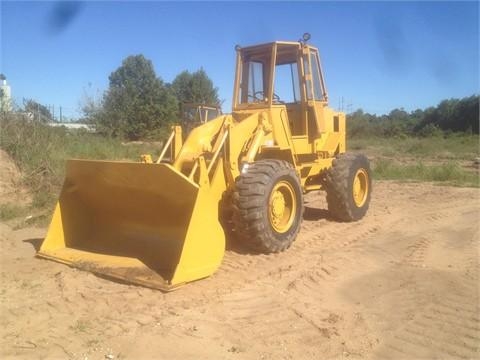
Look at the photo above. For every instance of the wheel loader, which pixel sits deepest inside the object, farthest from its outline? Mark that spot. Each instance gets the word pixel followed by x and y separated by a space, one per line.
pixel 164 223
pixel 195 114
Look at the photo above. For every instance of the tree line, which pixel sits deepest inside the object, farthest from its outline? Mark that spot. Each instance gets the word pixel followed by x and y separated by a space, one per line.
pixel 449 116
pixel 138 104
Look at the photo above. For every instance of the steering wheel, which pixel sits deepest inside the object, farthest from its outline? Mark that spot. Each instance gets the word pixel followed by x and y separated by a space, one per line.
pixel 276 99
pixel 259 96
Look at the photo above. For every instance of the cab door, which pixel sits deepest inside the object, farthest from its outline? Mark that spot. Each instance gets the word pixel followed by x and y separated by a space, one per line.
pixel 315 93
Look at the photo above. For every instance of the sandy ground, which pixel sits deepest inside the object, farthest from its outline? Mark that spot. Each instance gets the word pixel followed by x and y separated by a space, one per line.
pixel 403 283
pixel 11 190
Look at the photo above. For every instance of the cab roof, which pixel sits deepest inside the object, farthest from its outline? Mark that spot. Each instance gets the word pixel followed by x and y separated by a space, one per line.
pixel 287 51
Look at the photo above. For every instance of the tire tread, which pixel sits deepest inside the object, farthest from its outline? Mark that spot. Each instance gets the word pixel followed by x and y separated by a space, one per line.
pixel 249 197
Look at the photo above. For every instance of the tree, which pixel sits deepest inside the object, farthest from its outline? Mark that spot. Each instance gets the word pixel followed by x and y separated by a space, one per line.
pixel 398 115
pixel 454 115
pixel 137 103
pixel 195 87
pixel 451 115
pixel 39 112
pixel 90 105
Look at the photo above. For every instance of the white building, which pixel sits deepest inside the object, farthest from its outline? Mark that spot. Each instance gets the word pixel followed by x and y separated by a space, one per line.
pixel 74 126
pixel 5 95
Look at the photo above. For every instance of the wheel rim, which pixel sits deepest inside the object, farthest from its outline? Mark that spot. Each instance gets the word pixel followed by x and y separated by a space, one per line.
pixel 282 207
pixel 360 187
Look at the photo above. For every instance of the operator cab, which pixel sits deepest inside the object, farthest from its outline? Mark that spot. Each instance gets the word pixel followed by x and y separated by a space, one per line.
pixel 282 74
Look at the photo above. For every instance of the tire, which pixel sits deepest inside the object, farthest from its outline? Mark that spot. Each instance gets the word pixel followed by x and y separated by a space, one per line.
pixel 349 187
pixel 226 214
pixel 268 206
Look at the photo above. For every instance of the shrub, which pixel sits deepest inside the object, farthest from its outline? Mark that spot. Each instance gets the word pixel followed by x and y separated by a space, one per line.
pixel 40 152
pixel 450 173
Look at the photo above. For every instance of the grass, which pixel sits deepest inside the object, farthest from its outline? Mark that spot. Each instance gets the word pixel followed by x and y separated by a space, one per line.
pixel 11 211
pixel 40 152
pixel 435 158
pixel 451 147
pixel 450 173
pixel 80 326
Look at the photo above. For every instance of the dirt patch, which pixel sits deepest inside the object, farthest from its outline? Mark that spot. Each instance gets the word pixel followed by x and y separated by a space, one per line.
pixel 403 283
pixel 11 189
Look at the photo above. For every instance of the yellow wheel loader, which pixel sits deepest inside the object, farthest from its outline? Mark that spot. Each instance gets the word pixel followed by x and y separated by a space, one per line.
pixel 195 114
pixel 164 223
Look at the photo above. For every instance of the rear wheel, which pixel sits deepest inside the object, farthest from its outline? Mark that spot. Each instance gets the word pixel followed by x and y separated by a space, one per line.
pixel 268 206
pixel 349 187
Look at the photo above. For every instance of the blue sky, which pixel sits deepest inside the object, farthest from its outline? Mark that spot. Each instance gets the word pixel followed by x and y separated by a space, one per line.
pixel 376 55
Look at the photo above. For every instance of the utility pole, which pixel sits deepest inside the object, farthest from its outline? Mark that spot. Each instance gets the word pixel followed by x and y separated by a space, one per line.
pixel 60 114
pixel 349 107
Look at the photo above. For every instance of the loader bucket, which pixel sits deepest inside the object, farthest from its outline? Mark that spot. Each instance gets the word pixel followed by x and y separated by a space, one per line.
pixel 146 224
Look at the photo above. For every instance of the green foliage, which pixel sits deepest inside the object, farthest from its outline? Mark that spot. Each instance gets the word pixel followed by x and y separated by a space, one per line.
pixel 11 211
pixel 454 115
pixel 90 108
pixel 39 112
pixel 40 152
pixel 195 88
pixel 137 103
pixel 428 130
pixel 450 172
pixel 456 146
pixel 447 159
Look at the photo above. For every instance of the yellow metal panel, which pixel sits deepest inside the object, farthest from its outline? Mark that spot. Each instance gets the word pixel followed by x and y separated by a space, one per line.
pixel 204 244
pixel 147 212
pixel 332 141
pixel 198 141
pixel 325 117
pixel 301 144
pixel 281 128
pixel 342 131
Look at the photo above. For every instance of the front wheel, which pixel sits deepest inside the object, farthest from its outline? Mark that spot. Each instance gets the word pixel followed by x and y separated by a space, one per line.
pixel 268 206
pixel 349 187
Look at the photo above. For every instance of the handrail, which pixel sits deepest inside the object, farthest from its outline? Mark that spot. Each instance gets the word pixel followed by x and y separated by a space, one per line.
pixel 167 144
pixel 194 168
pixel 215 155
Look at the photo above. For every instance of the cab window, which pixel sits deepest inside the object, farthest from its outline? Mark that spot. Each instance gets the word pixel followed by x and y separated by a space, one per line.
pixel 255 81
pixel 252 87
pixel 287 88
pixel 317 84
